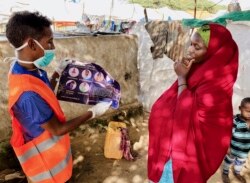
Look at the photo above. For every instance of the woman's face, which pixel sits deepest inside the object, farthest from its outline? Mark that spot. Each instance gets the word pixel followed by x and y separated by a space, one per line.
pixel 197 48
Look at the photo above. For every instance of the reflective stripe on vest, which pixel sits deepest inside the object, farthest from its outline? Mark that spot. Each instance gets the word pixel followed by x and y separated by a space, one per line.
pixel 46 159
pixel 39 148
pixel 55 170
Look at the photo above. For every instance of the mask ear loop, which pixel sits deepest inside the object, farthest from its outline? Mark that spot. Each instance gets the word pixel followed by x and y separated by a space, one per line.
pixel 10 59
pixel 39 44
pixel 13 60
pixel 21 47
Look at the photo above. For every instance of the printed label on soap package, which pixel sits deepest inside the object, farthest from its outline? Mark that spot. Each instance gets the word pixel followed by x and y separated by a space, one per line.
pixel 88 83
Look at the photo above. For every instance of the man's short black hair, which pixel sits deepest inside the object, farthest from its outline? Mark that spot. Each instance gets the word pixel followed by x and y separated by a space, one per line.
pixel 24 24
pixel 245 101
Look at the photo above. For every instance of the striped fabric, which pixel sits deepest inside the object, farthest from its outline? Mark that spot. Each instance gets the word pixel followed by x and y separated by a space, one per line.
pixel 238 164
pixel 240 144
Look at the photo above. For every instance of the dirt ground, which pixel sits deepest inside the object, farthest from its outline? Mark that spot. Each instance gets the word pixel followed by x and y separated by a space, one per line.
pixel 92 167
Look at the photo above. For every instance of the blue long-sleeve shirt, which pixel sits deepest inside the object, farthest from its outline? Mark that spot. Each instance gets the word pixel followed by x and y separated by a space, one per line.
pixel 30 109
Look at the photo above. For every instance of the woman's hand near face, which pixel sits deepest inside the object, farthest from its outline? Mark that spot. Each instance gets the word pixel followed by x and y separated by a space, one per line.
pixel 182 68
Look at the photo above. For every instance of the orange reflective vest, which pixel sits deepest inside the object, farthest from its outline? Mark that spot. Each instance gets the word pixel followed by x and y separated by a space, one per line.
pixel 46 158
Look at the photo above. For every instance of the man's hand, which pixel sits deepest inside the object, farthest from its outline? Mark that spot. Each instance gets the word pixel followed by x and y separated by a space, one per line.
pixel 99 109
pixel 62 65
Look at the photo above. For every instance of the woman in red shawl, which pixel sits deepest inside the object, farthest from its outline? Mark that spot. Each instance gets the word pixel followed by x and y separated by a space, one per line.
pixel 190 125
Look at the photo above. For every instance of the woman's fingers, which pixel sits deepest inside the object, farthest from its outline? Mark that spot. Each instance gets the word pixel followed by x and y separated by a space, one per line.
pixel 187 62
pixel 190 63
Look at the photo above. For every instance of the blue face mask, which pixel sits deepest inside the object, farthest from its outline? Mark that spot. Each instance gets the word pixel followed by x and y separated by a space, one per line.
pixel 41 62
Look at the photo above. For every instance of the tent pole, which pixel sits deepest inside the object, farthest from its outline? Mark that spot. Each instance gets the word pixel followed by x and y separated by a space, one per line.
pixel 146 15
pixel 195 6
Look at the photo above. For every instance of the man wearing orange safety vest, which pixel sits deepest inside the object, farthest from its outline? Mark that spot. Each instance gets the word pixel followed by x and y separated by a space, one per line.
pixel 40 131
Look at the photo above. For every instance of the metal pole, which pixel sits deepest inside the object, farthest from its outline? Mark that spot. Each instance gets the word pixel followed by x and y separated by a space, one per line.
pixel 195 5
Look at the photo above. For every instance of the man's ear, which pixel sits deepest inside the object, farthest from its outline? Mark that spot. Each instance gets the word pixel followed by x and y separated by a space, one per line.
pixel 31 43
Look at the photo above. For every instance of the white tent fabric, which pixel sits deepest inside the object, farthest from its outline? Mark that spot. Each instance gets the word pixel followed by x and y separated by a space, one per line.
pixel 155 75
pixel 59 10
pixel 9 6
pixel 72 10
pixel 240 32
pixel 123 10
pixel 174 14
pixel 128 11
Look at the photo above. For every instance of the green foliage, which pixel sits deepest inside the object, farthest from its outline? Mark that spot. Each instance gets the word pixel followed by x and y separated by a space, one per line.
pixel 180 4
